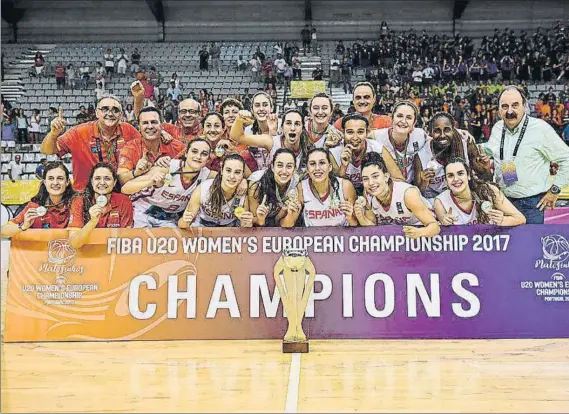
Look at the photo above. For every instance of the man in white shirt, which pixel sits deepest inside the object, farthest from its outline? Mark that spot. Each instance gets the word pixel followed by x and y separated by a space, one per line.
pixel 280 65
pixel 15 169
pixel 428 73
pixel 523 149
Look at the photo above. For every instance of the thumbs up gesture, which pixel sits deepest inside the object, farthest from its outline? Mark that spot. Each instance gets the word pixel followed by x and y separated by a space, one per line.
pixel 262 211
pixel 58 124
pixel 449 219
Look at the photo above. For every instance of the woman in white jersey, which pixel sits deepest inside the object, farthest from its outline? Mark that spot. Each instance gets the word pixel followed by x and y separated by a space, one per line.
pixel 393 202
pixel 347 158
pixel 294 135
pixel 323 198
pixel 469 200
pixel 402 141
pixel 159 196
pixel 321 133
pixel 270 189
pixel 215 202
pixel 261 108
pixel 447 143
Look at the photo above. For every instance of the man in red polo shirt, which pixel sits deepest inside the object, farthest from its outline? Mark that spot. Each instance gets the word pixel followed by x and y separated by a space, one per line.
pixel 91 142
pixel 138 156
pixel 364 100
pixel 188 126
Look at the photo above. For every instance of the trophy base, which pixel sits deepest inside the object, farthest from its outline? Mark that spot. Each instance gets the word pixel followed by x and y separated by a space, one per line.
pixel 295 347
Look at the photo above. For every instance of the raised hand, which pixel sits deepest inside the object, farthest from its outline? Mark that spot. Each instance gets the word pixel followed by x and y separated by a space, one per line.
pixel 246 117
pixel 96 211
pixel 346 156
pixel 262 210
pixel 137 89
pixel 449 218
pixel 142 167
pixel 246 219
pixel 273 123
pixel 58 124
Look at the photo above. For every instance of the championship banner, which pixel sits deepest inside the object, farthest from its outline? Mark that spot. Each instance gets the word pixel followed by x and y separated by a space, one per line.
pixel 306 89
pixel 160 284
pixel 19 192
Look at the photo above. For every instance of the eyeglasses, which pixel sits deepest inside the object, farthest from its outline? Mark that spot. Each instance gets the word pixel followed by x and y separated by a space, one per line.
pixel 114 109
pixel 188 111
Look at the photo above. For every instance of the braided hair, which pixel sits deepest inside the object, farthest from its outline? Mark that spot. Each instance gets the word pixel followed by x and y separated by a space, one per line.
pixel 456 148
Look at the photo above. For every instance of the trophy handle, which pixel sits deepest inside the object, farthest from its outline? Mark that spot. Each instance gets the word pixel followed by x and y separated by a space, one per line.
pixel 311 270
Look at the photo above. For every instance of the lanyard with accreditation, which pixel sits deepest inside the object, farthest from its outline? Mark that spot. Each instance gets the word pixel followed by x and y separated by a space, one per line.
pixel 509 173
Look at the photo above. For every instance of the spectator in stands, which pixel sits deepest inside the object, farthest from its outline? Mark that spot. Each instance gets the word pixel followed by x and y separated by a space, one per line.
pixel 39 63
pixel 122 61
pixel 255 68
pixel 289 105
pixel 129 115
pixel 34 128
pixel 346 73
pixel 109 59
pixel 82 116
pixel 271 91
pixel 71 76
pixel 84 74
pixel 241 64
pixel 296 67
pixel 100 75
pixel 98 206
pixel 138 156
pixel 306 37
pixel 60 75
pixel 317 73
pixel 15 169
pixel 280 65
pixel 215 54
pixel 270 80
pixel 314 40
pixel 340 50
pixel 53 197
pixel 22 123
pixel 135 62
pixel 91 142
pixel 40 168
pixel 173 92
pixel 8 133
pixel 204 57
pixel 523 149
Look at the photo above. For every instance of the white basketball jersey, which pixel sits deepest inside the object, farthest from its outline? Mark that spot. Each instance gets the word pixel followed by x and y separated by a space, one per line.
pixel 397 213
pixel 274 209
pixel 464 217
pixel 319 213
pixel 172 198
pixel 322 140
pixel 353 173
pixel 260 155
pixel 417 140
pixel 206 216
pixel 278 144
pixel 438 183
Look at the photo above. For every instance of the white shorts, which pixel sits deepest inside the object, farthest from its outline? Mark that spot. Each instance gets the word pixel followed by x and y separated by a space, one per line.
pixel 143 220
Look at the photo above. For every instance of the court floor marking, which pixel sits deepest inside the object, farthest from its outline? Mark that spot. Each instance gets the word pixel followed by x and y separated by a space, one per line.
pixel 293 384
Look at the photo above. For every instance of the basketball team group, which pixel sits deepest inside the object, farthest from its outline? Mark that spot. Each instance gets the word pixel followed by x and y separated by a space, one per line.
pixel 241 168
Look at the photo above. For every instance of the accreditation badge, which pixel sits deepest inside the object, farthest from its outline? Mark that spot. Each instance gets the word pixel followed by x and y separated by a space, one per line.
pixel 509 173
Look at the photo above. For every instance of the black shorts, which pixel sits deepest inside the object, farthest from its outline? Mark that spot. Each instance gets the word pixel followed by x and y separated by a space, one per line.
pixel 110 69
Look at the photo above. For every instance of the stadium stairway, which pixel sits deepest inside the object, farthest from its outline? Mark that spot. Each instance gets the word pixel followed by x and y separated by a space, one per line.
pixel 13 84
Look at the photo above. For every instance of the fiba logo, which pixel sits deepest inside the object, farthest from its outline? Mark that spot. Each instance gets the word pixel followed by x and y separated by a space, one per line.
pixel 555 249
pixel 60 252
pixel 558 277
pixel 60 259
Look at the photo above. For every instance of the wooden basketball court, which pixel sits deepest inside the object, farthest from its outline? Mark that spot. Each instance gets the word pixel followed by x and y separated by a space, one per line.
pixel 253 376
